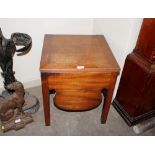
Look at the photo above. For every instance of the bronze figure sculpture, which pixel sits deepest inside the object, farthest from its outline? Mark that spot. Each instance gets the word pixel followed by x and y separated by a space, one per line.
pixel 16 101
pixel 11 112
pixel 16 105
pixel 7 51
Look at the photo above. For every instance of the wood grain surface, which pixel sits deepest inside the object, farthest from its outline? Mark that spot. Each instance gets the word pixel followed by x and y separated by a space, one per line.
pixel 79 81
pixel 62 53
pixel 146 41
pixel 77 68
pixel 77 100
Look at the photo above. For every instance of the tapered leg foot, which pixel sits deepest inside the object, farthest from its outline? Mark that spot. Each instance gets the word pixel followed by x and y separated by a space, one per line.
pixel 46 99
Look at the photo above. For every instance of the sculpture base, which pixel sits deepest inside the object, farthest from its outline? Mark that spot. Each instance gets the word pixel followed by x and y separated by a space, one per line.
pixel 31 102
pixel 17 122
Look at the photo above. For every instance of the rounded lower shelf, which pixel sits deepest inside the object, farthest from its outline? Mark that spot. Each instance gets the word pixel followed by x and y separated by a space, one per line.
pixel 77 100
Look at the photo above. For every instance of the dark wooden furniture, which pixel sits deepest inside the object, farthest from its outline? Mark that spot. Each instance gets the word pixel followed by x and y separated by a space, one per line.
pixel 135 99
pixel 78 68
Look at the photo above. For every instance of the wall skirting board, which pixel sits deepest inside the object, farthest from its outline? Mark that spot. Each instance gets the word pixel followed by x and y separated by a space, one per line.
pixel 33 83
pixel 29 84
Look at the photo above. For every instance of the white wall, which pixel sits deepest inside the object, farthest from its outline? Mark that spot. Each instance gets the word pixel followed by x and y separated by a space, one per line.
pixel 121 35
pixel 27 67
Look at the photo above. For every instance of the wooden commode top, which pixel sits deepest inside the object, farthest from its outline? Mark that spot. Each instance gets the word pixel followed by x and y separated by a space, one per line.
pixel 67 52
